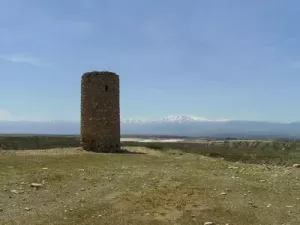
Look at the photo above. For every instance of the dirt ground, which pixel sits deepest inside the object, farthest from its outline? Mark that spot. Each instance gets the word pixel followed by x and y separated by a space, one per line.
pixel 145 187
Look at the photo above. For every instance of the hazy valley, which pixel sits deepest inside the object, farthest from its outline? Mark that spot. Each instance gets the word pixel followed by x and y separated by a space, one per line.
pixel 179 126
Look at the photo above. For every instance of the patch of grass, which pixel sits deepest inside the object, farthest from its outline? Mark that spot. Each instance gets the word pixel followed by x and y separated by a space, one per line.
pixel 275 152
pixel 38 142
pixel 256 152
pixel 155 146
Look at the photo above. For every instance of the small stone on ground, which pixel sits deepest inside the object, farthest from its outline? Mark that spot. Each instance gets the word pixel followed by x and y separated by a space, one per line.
pixel 36 185
pixel 209 223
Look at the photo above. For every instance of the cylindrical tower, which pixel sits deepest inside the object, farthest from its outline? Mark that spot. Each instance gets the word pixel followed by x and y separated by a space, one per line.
pixel 100 111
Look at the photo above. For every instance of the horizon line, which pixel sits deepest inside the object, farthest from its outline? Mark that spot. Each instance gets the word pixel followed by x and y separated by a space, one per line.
pixel 153 120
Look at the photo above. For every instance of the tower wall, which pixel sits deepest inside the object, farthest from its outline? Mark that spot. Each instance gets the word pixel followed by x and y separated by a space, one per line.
pixel 100 112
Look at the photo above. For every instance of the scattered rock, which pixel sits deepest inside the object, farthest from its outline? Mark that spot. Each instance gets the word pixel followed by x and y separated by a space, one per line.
pixel 82 189
pixel 27 208
pixel 81 170
pixel 269 205
pixel 289 206
pixel 209 223
pixel 296 165
pixel 14 191
pixel 36 185
pixel 45 168
pixel 223 193
pixel 262 181
pixel 252 204
pixel 233 167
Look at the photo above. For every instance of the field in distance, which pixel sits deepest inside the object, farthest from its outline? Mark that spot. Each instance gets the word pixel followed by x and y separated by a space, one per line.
pixel 267 151
pixel 147 187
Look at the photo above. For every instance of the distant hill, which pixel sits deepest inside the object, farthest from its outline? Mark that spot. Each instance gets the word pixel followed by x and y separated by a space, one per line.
pixel 176 126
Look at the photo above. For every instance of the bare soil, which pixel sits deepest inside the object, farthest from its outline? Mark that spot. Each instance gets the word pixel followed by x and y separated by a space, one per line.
pixel 148 187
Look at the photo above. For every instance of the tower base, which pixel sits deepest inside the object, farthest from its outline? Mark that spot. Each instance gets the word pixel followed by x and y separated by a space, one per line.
pixel 94 146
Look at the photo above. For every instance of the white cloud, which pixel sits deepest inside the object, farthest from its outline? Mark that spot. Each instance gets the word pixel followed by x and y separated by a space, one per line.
pixel 5 115
pixel 22 58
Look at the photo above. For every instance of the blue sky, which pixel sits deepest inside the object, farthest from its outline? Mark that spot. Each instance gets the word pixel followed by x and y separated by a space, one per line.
pixel 215 59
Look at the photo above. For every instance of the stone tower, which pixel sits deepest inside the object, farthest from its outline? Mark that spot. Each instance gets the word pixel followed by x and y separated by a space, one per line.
pixel 100 112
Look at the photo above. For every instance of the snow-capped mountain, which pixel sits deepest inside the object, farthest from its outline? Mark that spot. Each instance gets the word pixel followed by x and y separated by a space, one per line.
pixel 183 119
pixel 173 119
pixel 170 125
pixel 133 121
pixel 199 126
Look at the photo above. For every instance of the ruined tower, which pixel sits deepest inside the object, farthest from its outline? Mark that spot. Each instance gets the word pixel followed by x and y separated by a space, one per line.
pixel 100 111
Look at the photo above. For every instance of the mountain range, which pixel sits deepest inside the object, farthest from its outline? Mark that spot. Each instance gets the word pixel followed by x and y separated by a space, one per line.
pixel 171 125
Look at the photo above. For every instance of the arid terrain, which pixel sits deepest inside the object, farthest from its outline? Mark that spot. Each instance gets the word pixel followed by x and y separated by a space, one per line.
pixel 144 186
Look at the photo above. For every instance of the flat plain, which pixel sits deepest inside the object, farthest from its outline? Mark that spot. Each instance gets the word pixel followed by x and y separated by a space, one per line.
pixel 143 186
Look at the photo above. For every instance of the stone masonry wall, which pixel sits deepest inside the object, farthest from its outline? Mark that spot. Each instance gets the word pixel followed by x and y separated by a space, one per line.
pixel 100 112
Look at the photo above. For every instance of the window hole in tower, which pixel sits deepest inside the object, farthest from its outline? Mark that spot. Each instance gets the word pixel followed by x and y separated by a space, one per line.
pixel 106 88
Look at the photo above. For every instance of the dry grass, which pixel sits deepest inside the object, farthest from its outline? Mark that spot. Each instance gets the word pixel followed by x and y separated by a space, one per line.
pixel 150 188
